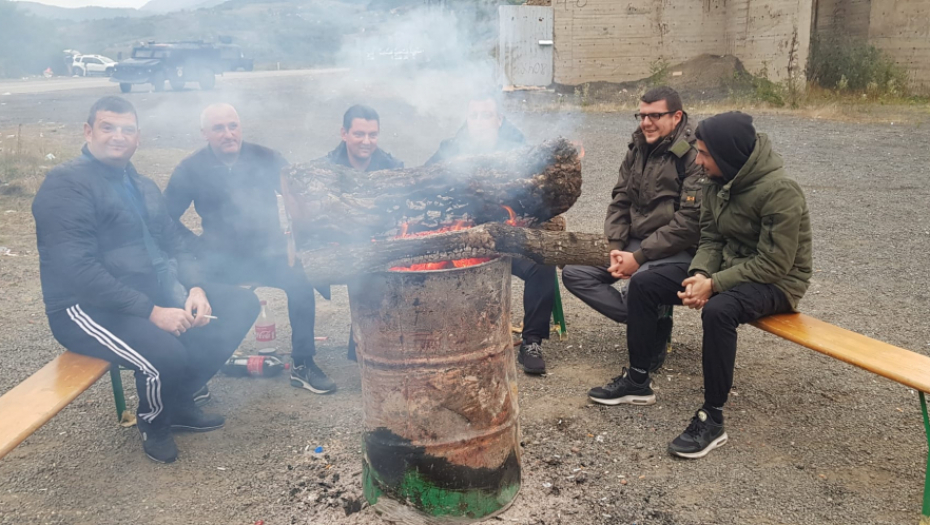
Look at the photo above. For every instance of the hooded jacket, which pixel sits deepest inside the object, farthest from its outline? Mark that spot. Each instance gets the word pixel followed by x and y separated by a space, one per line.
pixel 91 241
pixel 508 138
pixel 756 228
pixel 657 198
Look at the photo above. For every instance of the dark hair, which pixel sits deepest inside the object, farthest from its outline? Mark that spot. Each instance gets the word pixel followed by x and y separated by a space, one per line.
pixel 670 96
pixel 481 96
pixel 359 111
pixel 112 104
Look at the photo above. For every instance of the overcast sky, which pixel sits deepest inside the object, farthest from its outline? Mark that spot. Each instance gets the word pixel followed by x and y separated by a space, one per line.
pixel 103 3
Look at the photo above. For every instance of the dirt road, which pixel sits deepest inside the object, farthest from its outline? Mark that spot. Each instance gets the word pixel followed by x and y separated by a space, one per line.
pixel 811 440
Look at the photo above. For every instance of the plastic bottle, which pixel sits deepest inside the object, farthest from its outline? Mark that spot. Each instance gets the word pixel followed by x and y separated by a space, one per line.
pixel 265 332
pixel 253 366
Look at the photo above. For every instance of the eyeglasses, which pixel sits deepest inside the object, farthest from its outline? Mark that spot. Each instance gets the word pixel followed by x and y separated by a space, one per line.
pixel 652 116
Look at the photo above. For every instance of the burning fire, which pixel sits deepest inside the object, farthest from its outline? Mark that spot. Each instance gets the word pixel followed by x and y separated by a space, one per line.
pixel 457 263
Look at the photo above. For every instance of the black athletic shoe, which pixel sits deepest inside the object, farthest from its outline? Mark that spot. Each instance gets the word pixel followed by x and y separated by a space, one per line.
pixel 157 441
pixel 622 390
pixel 531 358
pixel 310 377
pixel 701 436
pixel 202 396
pixel 190 418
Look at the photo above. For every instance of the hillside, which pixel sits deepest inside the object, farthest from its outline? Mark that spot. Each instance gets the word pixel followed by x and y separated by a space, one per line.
pixel 76 14
pixel 168 6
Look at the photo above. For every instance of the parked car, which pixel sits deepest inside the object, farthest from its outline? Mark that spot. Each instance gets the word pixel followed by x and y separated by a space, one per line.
pixel 174 62
pixel 87 65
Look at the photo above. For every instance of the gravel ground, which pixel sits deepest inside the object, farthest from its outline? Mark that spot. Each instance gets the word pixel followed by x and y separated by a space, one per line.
pixel 812 440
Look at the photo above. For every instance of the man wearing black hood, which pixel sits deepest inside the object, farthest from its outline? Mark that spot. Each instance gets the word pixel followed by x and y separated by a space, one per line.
pixel 487 131
pixel 754 259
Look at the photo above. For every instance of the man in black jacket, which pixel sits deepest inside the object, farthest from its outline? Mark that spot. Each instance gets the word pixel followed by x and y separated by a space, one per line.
pixel 119 282
pixel 487 131
pixel 361 127
pixel 233 185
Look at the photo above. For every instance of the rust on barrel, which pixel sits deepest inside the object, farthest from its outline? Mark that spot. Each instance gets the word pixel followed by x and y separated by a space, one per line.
pixel 439 389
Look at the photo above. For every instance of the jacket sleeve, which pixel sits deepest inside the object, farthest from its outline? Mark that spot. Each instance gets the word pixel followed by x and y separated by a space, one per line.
pixel 174 238
pixel 66 224
pixel 442 154
pixel 617 223
pixel 710 247
pixel 180 191
pixel 781 214
pixel 684 230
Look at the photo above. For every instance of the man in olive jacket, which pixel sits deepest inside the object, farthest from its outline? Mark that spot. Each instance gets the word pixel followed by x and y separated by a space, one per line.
pixel 754 260
pixel 654 211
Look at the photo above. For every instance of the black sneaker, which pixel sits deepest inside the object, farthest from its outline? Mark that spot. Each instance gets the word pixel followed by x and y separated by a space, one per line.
pixel 622 390
pixel 310 377
pixel 531 359
pixel 157 440
pixel 202 396
pixel 701 436
pixel 190 418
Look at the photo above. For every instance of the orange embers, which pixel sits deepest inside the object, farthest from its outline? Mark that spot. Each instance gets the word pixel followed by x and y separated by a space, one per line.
pixel 441 265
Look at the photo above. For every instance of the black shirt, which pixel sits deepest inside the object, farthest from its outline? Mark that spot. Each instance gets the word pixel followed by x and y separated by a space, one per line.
pixel 237 204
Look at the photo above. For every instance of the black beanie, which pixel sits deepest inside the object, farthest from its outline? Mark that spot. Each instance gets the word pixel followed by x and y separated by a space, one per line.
pixel 730 139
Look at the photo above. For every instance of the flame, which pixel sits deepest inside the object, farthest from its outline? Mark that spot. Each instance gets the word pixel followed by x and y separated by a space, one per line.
pixel 441 265
pixel 512 221
pixel 580 147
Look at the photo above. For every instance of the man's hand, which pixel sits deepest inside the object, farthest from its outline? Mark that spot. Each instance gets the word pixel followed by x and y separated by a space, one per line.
pixel 622 264
pixel 698 290
pixel 172 320
pixel 198 307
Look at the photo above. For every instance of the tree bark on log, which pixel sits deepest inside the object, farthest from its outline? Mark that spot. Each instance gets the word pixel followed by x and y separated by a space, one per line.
pixel 339 264
pixel 331 203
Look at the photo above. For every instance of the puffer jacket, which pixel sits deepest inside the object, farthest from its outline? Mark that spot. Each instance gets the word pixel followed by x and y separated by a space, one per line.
pixel 92 247
pixel 657 198
pixel 756 228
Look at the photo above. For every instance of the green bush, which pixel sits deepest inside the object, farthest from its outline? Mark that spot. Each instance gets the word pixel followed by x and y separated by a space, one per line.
pixel 842 63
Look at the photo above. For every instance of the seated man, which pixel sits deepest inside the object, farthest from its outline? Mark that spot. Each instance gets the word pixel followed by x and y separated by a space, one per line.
pixel 359 149
pixel 754 260
pixel 487 131
pixel 233 186
pixel 112 264
pixel 653 217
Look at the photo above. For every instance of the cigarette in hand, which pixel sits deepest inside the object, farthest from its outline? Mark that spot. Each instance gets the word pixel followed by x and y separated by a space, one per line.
pixel 208 316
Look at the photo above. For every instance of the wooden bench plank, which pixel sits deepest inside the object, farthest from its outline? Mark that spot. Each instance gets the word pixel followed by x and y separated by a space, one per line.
pixel 900 365
pixel 36 400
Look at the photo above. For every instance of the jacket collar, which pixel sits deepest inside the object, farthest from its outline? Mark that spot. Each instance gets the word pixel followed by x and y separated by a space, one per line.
pixel 762 161
pixel 108 171
pixel 379 159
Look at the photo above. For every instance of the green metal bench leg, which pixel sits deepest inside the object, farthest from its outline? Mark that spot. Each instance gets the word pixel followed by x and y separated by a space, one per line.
pixel 117 382
pixel 925 512
pixel 558 315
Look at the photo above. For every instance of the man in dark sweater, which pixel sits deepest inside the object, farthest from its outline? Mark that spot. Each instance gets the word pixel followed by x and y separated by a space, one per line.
pixel 487 131
pixel 120 283
pixel 361 127
pixel 233 186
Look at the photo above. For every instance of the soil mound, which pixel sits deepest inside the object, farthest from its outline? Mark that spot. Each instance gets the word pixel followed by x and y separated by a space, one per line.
pixel 703 78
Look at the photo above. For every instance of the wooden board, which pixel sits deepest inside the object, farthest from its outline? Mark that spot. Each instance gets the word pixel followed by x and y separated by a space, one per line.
pixel 36 400
pixel 900 365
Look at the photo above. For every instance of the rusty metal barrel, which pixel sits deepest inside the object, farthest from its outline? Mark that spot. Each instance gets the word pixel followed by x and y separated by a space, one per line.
pixel 442 439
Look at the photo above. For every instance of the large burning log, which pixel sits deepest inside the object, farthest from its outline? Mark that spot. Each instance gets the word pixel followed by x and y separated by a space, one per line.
pixel 329 203
pixel 339 264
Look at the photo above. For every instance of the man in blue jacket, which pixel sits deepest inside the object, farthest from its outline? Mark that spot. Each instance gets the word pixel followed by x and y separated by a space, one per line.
pixel 120 282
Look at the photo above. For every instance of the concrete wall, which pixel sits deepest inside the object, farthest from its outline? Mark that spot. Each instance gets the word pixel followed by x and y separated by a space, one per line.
pixel 902 29
pixel 846 17
pixel 618 41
